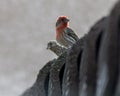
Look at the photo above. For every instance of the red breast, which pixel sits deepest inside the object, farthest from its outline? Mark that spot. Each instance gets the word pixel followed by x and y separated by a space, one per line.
pixel 61 24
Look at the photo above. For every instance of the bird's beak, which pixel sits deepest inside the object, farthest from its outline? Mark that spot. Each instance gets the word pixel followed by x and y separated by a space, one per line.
pixel 66 20
pixel 48 47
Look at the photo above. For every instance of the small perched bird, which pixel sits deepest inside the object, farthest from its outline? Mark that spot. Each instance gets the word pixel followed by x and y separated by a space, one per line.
pixel 65 35
pixel 55 47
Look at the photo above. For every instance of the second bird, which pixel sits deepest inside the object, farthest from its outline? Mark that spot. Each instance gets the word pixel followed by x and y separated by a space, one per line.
pixel 65 35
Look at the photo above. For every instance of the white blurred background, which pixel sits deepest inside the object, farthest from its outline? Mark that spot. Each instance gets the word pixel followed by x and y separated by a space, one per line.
pixel 25 28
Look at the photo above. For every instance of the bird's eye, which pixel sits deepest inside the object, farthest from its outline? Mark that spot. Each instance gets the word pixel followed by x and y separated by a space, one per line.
pixel 63 20
pixel 50 44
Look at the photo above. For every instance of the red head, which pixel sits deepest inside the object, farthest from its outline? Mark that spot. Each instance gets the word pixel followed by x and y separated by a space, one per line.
pixel 62 22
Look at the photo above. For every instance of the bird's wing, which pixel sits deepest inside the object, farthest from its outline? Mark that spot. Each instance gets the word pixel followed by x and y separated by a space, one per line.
pixel 71 34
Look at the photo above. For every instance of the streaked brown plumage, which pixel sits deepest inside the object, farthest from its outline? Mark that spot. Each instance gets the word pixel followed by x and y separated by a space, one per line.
pixel 55 47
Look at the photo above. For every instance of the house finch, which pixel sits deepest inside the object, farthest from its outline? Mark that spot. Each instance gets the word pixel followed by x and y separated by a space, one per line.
pixel 55 47
pixel 65 35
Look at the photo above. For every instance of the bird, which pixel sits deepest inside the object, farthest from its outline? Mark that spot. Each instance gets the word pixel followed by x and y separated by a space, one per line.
pixel 55 47
pixel 65 35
